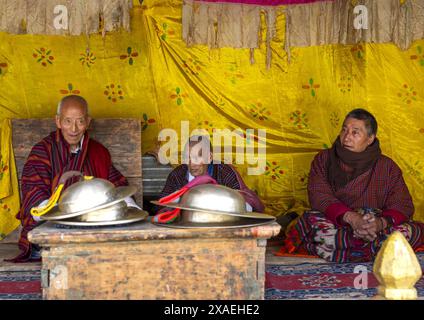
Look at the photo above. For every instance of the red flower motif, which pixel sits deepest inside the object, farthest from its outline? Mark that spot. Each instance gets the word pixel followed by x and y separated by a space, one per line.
pixel 112 94
pixel 130 55
pixel 69 90
pixel 43 56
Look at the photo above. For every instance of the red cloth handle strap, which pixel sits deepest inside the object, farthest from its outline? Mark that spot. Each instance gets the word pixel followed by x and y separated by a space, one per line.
pixel 169 198
pixel 166 217
pixel 195 182
pixel 170 216
pixel 204 179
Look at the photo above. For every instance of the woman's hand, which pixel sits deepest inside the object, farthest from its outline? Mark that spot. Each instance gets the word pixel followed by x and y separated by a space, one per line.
pixel 357 221
pixel 373 226
pixel 354 219
pixel 365 226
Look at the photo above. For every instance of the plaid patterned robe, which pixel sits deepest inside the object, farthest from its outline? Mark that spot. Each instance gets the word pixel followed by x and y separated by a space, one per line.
pixel 322 232
pixel 46 162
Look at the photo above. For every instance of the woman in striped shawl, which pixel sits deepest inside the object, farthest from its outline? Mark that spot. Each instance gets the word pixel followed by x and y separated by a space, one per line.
pixel 67 148
pixel 358 197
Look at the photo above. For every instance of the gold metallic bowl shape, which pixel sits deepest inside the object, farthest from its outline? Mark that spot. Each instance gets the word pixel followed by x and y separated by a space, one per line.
pixel 89 196
pixel 213 198
pixel 214 205
pixel 203 217
pixel 86 194
pixel 112 213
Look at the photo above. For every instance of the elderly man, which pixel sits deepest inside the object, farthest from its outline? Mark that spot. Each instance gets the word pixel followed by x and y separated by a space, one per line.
pixel 358 197
pixel 67 148
pixel 198 153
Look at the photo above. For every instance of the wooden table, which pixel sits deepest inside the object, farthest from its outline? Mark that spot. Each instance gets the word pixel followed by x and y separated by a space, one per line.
pixel 144 261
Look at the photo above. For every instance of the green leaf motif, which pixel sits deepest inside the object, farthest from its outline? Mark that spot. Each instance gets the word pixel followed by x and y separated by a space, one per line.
pixel 70 86
pixel 145 117
pixel 129 50
pixel 179 101
pixel 311 81
pixel 144 127
pixel 178 90
pixel 163 37
pixel 131 61
pixel 313 92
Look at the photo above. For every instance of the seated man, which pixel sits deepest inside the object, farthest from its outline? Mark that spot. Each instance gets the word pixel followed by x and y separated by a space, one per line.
pixel 358 197
pixel 200 164
pixel 67 148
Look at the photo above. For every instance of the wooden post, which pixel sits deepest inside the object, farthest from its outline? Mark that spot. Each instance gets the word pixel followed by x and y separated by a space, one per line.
pixel 397 269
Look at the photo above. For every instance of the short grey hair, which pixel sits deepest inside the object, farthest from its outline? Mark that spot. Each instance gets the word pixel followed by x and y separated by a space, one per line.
pixel 72 97
pixel 369 120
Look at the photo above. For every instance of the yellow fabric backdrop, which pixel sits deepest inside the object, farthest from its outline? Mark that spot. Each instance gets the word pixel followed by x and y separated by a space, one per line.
pixel 9 192
pixel 151 74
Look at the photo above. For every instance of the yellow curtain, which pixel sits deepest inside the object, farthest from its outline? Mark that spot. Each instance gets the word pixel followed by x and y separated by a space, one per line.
pixel 151 74
pixel 9 190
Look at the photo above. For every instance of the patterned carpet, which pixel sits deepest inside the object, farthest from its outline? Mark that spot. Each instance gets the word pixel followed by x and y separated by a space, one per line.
pixel 324 281
pixel 299 281
pixel 20 285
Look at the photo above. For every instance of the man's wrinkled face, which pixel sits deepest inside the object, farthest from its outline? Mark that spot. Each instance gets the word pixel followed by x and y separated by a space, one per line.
pixel 354 135
pixel 198 163
pixel 73 122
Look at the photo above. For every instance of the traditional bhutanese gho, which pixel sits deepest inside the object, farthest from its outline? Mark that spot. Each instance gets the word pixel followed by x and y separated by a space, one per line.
pixel 46 163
